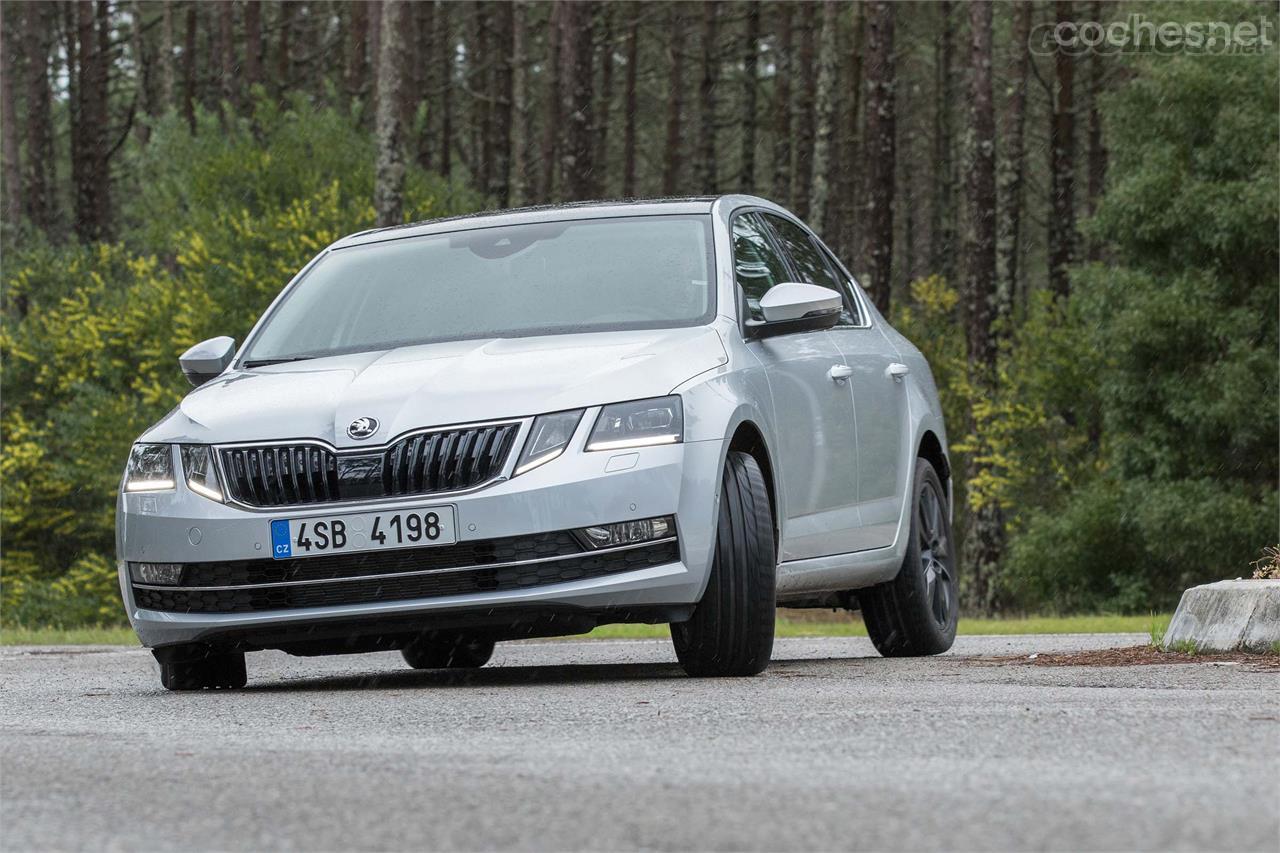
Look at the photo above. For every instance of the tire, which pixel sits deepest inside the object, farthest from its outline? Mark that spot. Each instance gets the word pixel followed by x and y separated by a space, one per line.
pixel 915 613
pixel 200 668
pixel 731 631
pixel 448 651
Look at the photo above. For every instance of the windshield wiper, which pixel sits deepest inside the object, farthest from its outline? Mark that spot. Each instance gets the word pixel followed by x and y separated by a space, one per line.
pixel 267 362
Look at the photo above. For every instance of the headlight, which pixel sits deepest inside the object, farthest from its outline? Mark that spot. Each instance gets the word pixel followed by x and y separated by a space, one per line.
pixel 198 467
pixel 150 468
pixel 548 439
pixel 639 423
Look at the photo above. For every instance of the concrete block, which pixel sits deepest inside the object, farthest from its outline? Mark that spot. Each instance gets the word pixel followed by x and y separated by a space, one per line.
pixel 1227 616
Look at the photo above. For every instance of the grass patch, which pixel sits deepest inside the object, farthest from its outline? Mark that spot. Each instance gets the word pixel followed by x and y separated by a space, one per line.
pixel 790 624
pixel 93 635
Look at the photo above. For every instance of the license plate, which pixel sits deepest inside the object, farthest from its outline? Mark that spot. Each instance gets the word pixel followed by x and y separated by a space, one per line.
pixel 365 531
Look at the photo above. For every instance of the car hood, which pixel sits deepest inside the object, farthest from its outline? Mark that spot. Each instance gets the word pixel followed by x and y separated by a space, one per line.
pixel 438 384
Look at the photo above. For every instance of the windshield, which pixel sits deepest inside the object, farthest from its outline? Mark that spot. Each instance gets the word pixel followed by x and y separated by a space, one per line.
pixel 591 275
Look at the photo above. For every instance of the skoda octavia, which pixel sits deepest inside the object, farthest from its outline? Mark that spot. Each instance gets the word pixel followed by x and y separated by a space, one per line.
pixel 528 423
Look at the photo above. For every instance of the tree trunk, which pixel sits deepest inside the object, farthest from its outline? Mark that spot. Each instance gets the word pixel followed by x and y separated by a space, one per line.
pixel 675 99
pixel 168 75
pixel 522 128
pixel 851 165
pixel 986 542
pixel 825 107
pixel 782 107
pixel 504 83
pixel 38 22
pixel 445 56
pixel 189 68
pixel 576 55
pixel 551 129
pixel 880 135
pixel 707 152
pixel 980 278
pixel 750 96
pixel 1097 155
pixel 480 80
pixel 145 75
pixel 1014 161
pixel 228 91
pixel 9 144
pixel 284 56
pixel 604 111
pixel 374 50
pixel 89 160
pixel 388 192
pixel 425 13
pixel 252 44
pixel 942 219
pixel 1062 152
pixel 629 102
pixel 356 73
pixel 802 112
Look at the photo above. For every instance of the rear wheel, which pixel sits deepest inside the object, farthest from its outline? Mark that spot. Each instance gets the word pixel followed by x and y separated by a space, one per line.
pixel 731 631
pixel 200 668
pixel 448 651
pixel 916 612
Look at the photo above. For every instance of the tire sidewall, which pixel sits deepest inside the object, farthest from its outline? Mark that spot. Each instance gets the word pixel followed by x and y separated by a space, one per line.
pixel 911 575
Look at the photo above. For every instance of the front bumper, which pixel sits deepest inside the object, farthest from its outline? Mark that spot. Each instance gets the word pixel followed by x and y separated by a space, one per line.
pixel 576 490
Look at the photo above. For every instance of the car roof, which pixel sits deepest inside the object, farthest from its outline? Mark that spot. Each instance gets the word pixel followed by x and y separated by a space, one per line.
pixel 543 213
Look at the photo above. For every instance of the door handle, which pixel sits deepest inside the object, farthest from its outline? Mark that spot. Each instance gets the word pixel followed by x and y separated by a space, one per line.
pixel 896 371
pixel 840 372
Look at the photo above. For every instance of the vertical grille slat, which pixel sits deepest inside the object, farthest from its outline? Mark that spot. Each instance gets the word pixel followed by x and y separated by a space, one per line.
pixel 300 474
pixel 475 461
pixel 315 470
pixel 421 464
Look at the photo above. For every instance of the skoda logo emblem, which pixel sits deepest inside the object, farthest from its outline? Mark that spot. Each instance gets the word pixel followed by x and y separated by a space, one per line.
pixel 362 428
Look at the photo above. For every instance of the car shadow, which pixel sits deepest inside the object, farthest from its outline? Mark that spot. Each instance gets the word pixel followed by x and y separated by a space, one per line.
pixel 541 675
pixel 503 676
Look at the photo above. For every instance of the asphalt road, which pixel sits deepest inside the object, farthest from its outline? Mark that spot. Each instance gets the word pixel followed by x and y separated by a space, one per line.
pixel 605 745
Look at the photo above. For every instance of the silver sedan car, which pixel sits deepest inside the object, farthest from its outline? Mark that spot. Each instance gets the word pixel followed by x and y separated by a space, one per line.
pixel 533 422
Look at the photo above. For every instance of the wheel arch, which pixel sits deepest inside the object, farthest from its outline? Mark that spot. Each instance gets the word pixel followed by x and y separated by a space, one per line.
pixel 748 438
pixel 931 450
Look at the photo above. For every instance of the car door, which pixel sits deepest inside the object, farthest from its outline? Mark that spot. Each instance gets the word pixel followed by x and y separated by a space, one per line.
pixel 815 442
pixel 879 398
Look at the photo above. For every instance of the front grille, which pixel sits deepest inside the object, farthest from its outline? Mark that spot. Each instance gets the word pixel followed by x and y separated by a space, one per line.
pixel 422 464
pixel 441 582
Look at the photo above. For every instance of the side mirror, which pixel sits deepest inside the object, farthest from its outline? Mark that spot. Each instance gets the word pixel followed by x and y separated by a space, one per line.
pixel 207 359
pixel 792 307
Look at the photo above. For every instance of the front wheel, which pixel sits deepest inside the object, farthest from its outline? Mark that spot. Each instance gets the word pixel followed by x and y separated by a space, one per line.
pixel 731 631
pixel 916 612
pixel 448 651
pixel 197 667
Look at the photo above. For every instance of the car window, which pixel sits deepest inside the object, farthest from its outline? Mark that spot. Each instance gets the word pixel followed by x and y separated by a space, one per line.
pixel 812 267
pixel 756 264
pixel 808 262
pixel 852 311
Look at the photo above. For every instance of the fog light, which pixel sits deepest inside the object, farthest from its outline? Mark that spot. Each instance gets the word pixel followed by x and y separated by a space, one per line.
pixel 157 573
pixel 627 532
